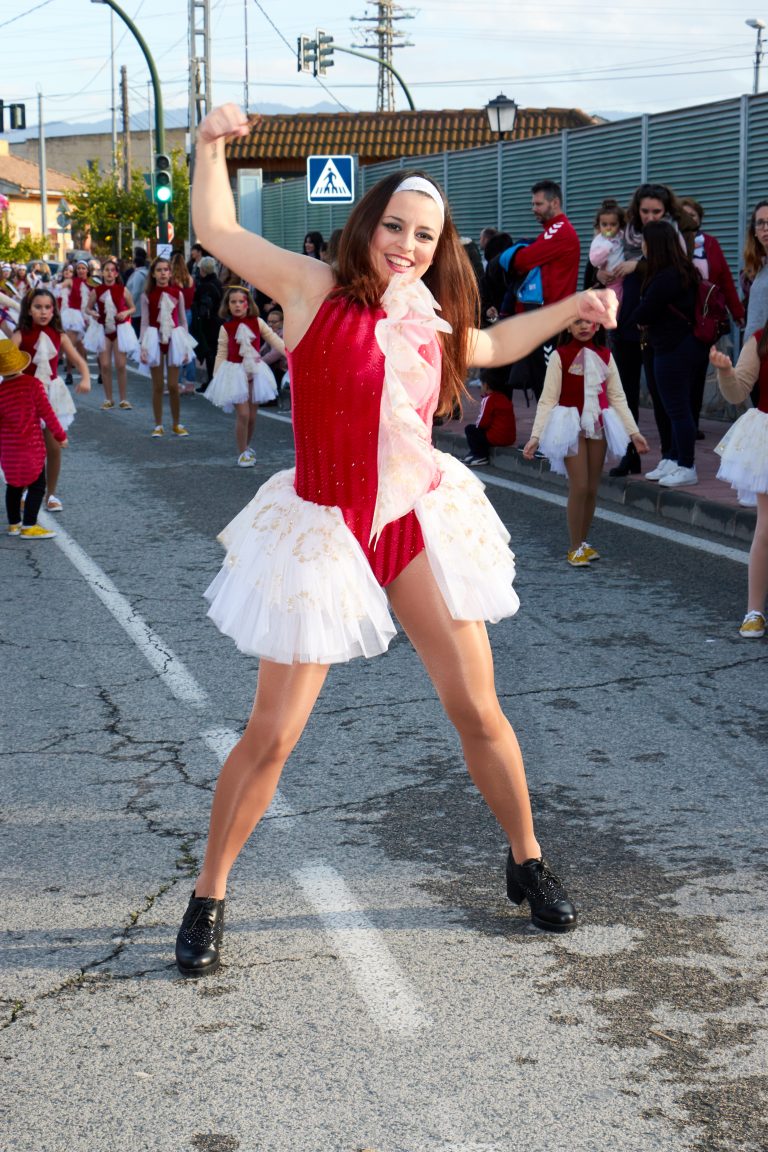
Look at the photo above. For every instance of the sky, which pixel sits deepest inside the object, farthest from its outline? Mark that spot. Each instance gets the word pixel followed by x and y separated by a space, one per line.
pixel 642 56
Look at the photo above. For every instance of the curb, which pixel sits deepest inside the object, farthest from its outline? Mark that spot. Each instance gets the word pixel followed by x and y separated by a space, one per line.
pixel 639 495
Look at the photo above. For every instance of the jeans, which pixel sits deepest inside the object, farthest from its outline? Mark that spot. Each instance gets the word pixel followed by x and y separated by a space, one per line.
pixel 674 372
pixel 35 493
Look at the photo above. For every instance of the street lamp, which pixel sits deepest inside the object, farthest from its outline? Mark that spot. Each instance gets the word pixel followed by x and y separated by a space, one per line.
pixel 758 25
pixel 162 206
pixel 501 114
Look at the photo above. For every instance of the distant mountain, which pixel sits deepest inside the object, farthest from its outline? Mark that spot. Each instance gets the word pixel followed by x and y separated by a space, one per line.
pixel 174 118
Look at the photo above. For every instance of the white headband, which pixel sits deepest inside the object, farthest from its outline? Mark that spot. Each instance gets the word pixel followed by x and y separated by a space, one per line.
pixel 419 184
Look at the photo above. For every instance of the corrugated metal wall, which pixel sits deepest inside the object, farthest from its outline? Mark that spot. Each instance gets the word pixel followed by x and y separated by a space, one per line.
pixel 717 153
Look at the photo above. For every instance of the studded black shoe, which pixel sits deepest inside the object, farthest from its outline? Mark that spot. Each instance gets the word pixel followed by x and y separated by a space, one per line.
pixel 534 881
pixel 199 940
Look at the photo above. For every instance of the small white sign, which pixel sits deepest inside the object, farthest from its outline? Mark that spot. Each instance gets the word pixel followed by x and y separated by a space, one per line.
pixel 165 251
pixel 330 179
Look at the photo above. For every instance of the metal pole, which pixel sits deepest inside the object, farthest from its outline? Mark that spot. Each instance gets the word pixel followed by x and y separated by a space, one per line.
pixel 126 128
pixel 162 209
pixel 41 159
pixel 246 91
pixel 758 60
pixel 114 95
pixel 383 64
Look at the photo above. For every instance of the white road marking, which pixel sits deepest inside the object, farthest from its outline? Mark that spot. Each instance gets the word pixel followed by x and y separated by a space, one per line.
pixel 382 988
pixel 174 673
pixel 662 532
pixel 221 741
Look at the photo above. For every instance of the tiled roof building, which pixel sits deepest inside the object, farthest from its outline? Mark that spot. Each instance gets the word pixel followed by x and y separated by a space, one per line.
pixel 280 144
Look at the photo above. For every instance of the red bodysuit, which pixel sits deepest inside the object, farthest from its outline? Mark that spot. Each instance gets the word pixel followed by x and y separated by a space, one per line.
pixel 337 376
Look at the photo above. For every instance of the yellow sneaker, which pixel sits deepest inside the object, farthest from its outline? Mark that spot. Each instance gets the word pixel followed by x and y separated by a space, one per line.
pixel 36 532
pixel 158 430
pixel 753 626
pixel 590 552
pixel 180 430
pixel 577 557
pixel 14 529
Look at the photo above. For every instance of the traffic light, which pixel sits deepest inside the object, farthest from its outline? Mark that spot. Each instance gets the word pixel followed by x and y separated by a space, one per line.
pixel 306 54
pixel 324 53
pixel 163 179
pixel 18 116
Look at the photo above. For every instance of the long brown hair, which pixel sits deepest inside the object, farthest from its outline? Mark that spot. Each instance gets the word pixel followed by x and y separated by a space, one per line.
pixel 754 253
pixel 450 279
pixel 661 192
pixel 25 316
pixel 662 242
pixel 179 272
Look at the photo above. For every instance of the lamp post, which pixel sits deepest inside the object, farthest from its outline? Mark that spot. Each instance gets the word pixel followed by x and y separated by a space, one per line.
pixel 162 208
pixel 758 25
pixel 501 115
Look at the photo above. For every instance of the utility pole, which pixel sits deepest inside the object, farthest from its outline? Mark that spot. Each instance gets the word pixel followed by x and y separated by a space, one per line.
pixel 126 128
pixel 199 81
pixel 385 39
pixel 41 161
pixel 114 95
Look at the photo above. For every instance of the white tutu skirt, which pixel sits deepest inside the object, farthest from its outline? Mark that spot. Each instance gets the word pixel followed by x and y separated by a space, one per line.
pixel 744 453
pixel 73 320
pixel 61 401
pixel 229 386
pixel 94 339
pixel 560 437
pixel 127 340
pixel 296 586
pixel 181 347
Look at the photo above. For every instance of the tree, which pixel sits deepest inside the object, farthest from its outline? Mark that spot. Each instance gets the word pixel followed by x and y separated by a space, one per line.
pixel 20 251
pixel 99 207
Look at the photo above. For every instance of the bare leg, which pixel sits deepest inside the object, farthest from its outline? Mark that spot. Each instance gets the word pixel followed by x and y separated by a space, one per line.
pixel 52 463
pixel 285 697
pixel 157 391
pixel 758 559
pixel 252 412
pixel 173 393
pixel 121 367
pixel 105 367
pixel 578 493
pixel 595 460
pixel 241 427
pixel 457 656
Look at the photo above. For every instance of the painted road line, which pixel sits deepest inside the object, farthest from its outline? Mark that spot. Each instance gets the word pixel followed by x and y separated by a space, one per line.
pixel 663 533
pixel 361 946
pixel 171 670
pixel 221 741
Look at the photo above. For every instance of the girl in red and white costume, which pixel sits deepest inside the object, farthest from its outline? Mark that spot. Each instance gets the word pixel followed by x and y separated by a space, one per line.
pixel 241 380
pixel 40 334
pixel 744 462
pixel 164 338
pixel 372 517
pixel 110 333
pixel 582 412
pixel 73 301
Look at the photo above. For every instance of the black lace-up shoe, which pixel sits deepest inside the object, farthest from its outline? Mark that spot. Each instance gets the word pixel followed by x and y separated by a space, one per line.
pixel 535 882
pixel 199 939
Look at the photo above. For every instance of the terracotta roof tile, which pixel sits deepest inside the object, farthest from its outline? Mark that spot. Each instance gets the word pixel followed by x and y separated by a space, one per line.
pixel 26 176
pixel 376 136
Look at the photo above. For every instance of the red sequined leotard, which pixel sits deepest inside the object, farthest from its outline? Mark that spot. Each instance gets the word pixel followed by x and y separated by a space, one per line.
pixel 337 376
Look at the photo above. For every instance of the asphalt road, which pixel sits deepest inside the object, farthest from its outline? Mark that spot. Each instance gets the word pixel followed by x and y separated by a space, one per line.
pixel 378 992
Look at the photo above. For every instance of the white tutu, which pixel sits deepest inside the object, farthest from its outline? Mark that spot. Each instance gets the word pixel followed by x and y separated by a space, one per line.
pixel 127 340
pixel 94 339
pixel 744 453
pixel 296 586
pixel 73 320
pixel 467 546
pixel 616 435
pixel 180 346
pixel 560 437
pixel 229 386
pixel 61 401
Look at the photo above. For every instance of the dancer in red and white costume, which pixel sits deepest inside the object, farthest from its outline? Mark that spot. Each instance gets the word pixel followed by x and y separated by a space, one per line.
pixel 164 340
pixel 73 302
pixel 372 518
pixel 110 333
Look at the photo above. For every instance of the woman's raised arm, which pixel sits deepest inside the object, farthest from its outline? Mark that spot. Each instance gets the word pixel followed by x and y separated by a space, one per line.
pixel 512 339
pixel 295 280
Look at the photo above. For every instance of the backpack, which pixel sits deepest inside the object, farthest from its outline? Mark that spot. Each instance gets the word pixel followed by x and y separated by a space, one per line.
pixel 527 289
pixel 710 318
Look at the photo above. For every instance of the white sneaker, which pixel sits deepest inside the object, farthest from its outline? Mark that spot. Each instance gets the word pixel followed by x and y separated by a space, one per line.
pixel 748 499
pixel 245 460
pixel 678 477
pixel 663 468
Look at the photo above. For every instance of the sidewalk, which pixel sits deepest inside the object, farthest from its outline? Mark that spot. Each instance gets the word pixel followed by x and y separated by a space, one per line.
pixel 710 506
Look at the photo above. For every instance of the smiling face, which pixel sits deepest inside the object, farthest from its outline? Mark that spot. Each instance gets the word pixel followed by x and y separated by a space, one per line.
pixel 406 237
pixel 238 305
pixel 41 310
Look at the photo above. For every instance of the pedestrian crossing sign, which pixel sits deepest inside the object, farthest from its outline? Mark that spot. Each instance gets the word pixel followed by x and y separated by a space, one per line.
pixel 330 179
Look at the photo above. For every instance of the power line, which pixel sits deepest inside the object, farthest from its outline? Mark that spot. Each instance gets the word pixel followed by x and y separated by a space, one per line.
pixel 292 50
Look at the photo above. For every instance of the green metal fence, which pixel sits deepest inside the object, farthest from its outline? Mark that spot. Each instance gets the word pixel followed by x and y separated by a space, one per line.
pixel 715 152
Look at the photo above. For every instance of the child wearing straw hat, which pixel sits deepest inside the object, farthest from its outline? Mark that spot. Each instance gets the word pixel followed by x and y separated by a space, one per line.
pixel 23 405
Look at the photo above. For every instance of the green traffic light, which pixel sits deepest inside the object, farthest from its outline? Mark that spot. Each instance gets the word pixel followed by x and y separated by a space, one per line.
pixel 163 194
